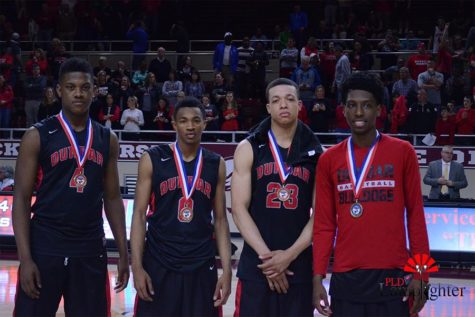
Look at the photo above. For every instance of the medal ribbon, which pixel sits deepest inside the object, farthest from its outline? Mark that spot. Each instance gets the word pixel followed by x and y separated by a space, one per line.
pixel 80 156
pixel 187 188
pixel 284 171
pixel 357 179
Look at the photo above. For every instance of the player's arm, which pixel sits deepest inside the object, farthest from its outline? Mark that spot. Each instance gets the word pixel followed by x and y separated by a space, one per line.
pixel 27 162
pixel 221 229
pixel 241 198
pixel 143 189
pixel 114 209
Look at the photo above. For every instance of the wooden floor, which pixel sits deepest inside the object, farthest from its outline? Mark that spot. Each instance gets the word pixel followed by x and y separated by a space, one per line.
pixel 122 303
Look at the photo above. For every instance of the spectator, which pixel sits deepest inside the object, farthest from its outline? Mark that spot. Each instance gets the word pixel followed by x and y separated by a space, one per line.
pixel 359 57
pixel 139 36
pixel 119 73
pixel 6 103
pixel 302 114
pixel 307 79
pixel 321 111
pixel 230 113
pixel 327 65
pixel 258 63
pixel 298 25
pixel 138 79
pixel 101 65
pixel 104 87
pixel 6 63
pixel 7 174
pixel 243 70
pixel 34 91
pixel 342 71
pixel 15 47
pixel 123 93
pixel 225 59
pixel 163 117
pixel 388 45
pixel 440 28
pixel 50 106
pixel 310 50
pixel 457 85
pixel 445 125
pixel 399 112
pixel 171 87
pixel 160 66
pixel 149 97
pixel 405 85
pixel 465 121
pixel 212 115
pixel 445 176
pixel 109 114
pixel 195 87
pixel 37 57
pixel 431 81
pixel 288 59
pixel 410 43
pixel 132 119
pixel 259 37
pixel 417 63
pixel 179 33
pixel 422 115
pixel 285 35
pixel 218 92
pixel 185 71
pixel 341 125
pixel 57 59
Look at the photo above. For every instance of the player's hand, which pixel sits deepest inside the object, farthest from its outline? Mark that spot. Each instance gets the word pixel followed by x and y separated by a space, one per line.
pixel 223 289
pixel 122 275
pixel 280 284
pixel 30 279
pixel 143 284
pixel 319 295
pixel 275 263
pixel 416 289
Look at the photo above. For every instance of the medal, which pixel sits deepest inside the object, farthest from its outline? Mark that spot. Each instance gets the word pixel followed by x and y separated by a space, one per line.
pixel 78 180
pixel 358 177
pixel 283 194
pixel 185 211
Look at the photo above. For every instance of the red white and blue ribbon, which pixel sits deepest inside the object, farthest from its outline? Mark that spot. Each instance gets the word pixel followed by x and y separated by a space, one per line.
pixel 187 187
pixel 358 178
pixel 284 170
pixel 81 156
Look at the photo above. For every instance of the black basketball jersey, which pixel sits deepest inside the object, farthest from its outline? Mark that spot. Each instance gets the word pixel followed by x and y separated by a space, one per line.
pixel 281 215
pixel 179 234
pixel 67 218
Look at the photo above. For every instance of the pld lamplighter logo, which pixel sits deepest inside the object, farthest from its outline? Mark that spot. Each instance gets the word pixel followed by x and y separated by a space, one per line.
pixel 420 264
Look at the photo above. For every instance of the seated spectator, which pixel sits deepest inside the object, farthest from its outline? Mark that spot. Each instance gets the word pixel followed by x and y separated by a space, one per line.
pixel 171 87
pixel 445 125
pixel 163 117
pixel 399 113
pixel 50 106
pixel 288 59
pixel 219 89
pixel 422 115
pixel 321 111
pixel 212 115
pixel 138 79
pixel 109 114
pixel 465 121
pixel 195 86
pixel 258 62
pixel 230 113
pixel 7 174
pixel 101 66
pixel 446 177
pixel 6 103
pixel 132 119
pixel 37 57
pixel 307 79
pixel 149 96
pixel 185 71
pixel 405 84
pixel 431 81
pixel 417 63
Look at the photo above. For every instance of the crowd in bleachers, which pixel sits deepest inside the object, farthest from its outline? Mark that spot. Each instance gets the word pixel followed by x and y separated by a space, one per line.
pixel 428 88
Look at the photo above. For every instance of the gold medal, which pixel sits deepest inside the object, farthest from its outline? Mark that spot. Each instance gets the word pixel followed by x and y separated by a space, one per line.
pixel 356 210
pixel 283 194
pixel 185 214
pixel 78 180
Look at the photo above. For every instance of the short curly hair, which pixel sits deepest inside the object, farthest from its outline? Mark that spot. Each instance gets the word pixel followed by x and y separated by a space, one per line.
pixel 363 81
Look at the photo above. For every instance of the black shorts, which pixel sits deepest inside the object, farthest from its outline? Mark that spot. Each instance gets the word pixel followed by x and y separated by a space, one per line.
pixel 179 294
pixel 392 308
pixel 254 298
pixel 82 282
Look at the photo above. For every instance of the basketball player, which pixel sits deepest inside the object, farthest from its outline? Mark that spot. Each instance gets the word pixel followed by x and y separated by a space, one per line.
pixel 272 190
pixel 173 263
pixel 368 185
pixel 62 248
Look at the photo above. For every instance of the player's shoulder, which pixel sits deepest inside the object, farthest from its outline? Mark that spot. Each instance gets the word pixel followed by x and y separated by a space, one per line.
pixel 161 150
pixel 208 154
pixel 334 151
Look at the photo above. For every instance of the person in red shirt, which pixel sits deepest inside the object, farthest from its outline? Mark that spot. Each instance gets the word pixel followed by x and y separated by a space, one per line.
pixel 445 125
pixel 465 120
pixel 418 63
pixel 398 113
pixel 6 104
pixel 230 113
pixel 37 58
pixel 370 247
